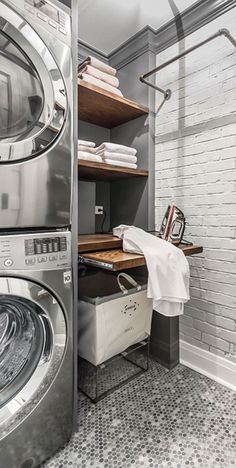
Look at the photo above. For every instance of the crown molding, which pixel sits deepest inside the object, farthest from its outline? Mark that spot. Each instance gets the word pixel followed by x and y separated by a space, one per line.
pixel 155 41
pixel 191 19
pixel 85 49
pixel 140 43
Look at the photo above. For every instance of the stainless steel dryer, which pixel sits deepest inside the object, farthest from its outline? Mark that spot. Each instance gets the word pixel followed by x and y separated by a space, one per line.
pixel 36 143
pixel 36 347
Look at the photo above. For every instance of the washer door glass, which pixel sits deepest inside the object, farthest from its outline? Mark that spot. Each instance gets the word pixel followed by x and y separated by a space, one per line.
pixel 21 91
pixel 22 337
pixel 33 98
pixel 33 339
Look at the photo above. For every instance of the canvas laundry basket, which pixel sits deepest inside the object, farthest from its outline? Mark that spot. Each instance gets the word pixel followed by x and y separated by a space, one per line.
pixel 110 323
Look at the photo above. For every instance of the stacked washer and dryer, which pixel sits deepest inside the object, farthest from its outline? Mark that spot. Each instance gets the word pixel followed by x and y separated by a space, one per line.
pixel 36 287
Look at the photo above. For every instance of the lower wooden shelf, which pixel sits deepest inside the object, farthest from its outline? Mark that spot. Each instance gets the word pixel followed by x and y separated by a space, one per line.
pixel 104 251
pixel 114 260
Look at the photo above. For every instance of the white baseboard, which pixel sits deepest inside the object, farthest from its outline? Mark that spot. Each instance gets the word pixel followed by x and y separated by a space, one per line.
pixel 216 367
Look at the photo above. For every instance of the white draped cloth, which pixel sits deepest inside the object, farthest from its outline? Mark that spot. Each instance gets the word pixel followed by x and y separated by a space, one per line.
pixel 168 269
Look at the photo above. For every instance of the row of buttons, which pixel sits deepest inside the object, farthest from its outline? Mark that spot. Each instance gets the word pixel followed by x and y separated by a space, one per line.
pixel 51 258
pixel 45 19
pixel 31 261
pixel 45 246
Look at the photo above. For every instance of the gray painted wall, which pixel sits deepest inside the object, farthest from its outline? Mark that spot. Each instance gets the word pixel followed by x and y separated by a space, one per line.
pixel 92 193
pixel 86 207
pixel 130 199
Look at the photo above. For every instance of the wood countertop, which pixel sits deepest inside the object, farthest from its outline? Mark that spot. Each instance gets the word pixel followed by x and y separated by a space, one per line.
pixel 105 250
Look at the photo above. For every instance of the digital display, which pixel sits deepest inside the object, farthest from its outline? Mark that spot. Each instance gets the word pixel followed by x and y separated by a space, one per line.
pixel 46 9
pixel 45 245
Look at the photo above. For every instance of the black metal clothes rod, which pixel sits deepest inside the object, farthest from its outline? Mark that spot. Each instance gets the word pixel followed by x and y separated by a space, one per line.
pixel 167 92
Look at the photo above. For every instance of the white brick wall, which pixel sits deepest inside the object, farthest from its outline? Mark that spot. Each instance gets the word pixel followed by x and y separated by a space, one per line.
pixel 196 168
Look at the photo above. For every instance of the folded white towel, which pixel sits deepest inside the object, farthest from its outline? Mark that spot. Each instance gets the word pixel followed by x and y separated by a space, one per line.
pixel 96 63
pixel 118 156
pixel 90 144
pixel 168 269
pixel 111 80
pixel 116 148
pixel 120 163
pixel 87 149
pixel 100 84
pixel 89 157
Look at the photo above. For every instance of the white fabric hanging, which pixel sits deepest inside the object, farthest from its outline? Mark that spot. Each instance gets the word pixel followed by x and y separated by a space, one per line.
pixel 168 269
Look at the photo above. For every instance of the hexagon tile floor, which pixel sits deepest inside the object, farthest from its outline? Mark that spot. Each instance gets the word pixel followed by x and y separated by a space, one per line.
pixel 172 419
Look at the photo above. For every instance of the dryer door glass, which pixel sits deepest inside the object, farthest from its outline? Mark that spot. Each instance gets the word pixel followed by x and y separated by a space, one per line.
pixel 21 92
pixel 33 98
pixel 22 337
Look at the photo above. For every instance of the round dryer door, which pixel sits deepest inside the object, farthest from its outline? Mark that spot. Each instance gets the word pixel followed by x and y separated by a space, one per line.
pixel 33 95
pixel 32 344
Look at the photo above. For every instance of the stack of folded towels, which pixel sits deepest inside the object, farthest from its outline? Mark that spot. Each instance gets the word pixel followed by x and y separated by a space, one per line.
pixel 118 155
pixel 87 151
pixel 99 74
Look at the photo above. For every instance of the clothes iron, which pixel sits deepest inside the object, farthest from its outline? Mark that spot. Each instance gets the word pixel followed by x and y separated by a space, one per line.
pixel 173 224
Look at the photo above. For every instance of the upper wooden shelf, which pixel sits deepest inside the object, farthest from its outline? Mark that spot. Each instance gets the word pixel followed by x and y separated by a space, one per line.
pixel 89 170
pixel 100 107
pixel 92 242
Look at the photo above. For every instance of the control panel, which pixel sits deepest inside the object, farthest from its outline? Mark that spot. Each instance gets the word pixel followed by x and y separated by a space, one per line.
pixel 45 11
pixel 35 252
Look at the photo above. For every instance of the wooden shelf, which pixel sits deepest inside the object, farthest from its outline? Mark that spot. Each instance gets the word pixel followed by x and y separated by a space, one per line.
pixel 100 107
pixel 89 170
pixel 95 242
pixel 116 260
pixel 105 251
pixel 191 249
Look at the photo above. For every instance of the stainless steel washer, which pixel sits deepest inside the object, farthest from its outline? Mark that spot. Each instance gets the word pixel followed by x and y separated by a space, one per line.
pixel 36 142
pixel 36 347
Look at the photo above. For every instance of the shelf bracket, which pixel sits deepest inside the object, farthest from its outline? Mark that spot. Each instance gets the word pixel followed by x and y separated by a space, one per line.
pixel 167 93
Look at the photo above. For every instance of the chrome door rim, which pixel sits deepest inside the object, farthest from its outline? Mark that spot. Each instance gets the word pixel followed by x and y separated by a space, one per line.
pixel 50 360
pixel 55 105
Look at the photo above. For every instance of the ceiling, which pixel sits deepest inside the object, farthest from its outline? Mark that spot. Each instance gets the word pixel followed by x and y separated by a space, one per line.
pixel 106 24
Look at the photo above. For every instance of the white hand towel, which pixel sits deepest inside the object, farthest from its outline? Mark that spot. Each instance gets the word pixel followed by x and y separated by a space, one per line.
pixel 120 163
pixel 168 269
pixel 96 63
pixel 87 149
pixel 118 156
pixel 111 80
pixel 116 148
pixel 101 84
pixel 90 144
pixel 89 157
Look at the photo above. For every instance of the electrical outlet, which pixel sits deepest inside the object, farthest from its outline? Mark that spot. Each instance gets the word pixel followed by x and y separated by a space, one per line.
pixel 98 210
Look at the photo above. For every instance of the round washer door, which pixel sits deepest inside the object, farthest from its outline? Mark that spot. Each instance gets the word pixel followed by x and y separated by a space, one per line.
pixel 32 345
pixel 33 103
